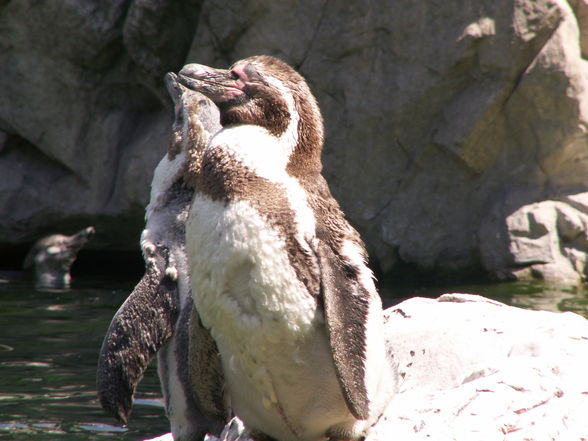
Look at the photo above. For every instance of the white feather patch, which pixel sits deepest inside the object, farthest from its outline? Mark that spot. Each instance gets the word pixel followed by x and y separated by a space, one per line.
pixel 165 175
pixel 243 284
pixel 354 254
pixel 264 154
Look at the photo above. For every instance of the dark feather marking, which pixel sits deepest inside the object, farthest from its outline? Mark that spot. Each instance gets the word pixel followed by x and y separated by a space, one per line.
pixel 206 376
pixel 265 109
pixel 205 407
pixel 345 301
pixel 306 157
pixel 224 179
pixel 346 307
pixel 138 330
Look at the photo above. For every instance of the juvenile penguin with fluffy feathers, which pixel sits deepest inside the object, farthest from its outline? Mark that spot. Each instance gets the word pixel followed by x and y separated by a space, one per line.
pixel 155 319
pixel 278 275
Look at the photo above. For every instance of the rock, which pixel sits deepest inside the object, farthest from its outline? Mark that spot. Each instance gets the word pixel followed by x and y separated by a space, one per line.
pixel 476 369
pixel 449 112
pixel 443 118
pixel 546 240
pixel 157 35
pixel 81 135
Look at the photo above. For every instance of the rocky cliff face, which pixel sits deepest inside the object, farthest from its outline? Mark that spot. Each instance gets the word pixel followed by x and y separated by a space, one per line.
pixel 456 130
pixel 84 116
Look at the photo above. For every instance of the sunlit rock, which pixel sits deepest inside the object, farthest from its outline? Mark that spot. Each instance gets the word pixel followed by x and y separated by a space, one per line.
pixel 476 369
pixel 545 240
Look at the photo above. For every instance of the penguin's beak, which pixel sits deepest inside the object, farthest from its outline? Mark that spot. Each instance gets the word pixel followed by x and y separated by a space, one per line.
pixel 79 239
pixel 173 86
pixel 217 84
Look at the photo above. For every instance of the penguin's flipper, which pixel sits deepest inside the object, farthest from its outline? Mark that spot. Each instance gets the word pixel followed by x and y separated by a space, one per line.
pixel 346 307
pixel 139 328
pixel 206 371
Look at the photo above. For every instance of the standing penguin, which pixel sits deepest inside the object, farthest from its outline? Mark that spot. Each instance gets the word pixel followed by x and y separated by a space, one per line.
pixel 278 275
pixel 156 317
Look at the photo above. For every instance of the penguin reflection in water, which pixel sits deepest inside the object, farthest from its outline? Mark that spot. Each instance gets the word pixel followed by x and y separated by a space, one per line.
pixel 278 276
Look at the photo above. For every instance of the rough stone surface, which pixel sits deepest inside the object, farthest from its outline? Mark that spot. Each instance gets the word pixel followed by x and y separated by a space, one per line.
pixel 478 370
pixel 546 240
pixel 81 134
pixel 444 118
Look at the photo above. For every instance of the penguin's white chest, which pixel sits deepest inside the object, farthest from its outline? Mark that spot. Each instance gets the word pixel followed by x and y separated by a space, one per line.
pixel 269 331
pixel 244 288
pixel 241 275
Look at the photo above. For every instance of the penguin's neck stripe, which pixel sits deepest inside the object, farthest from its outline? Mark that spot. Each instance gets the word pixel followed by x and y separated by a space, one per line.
pixel 289 138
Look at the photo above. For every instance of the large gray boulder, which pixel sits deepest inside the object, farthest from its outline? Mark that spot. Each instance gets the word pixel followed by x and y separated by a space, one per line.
pixel 445 120
pixel 478 370
pixel 475 369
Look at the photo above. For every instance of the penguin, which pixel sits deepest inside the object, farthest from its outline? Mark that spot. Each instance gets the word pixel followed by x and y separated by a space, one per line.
pixel 156 318
pixel 51 258
pixel 278 275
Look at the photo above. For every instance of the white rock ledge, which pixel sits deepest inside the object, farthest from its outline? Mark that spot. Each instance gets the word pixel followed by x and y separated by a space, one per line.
pixel 475 369
pixel 482 370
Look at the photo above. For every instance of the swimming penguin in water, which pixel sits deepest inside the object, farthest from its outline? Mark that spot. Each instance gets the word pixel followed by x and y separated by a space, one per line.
pixel 278 275
pixel 156 317
pixel 51 258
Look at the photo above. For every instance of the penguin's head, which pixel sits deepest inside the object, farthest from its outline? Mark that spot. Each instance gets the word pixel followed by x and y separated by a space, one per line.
pixel 266 92
pixel 196 119
pixel 52 257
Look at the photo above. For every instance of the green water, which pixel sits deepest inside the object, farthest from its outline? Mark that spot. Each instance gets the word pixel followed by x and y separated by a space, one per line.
pixel 49 343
